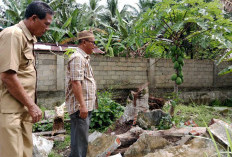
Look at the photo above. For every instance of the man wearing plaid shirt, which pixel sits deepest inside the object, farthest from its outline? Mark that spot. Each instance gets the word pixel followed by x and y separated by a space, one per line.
pixel 80 93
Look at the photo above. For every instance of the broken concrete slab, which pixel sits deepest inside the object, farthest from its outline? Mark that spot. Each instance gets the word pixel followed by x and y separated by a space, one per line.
pixel 178 131
pixel 183 139
pixel 144 145
pixel 93 136
pixel 197 147
pixel 148 119
pixel 130 136
pixel 41 146
pixel 103 146
pixel 218 129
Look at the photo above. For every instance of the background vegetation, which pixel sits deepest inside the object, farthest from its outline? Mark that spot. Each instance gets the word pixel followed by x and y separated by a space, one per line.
pixel 201 27
pixel 198 29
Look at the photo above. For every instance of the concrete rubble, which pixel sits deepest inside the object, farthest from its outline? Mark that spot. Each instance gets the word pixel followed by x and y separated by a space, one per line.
pixel 148 119
pixel 41 146
pixel 198 147
pixel 175 142
pixel 93 136
pixel 221 130
pixel 145 144
pixel 103 145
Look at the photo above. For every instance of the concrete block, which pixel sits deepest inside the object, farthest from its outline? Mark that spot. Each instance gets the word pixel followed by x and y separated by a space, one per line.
pixel 111 73
pixel 107 77
pixel 102 82
pixel 103 63
pixel 107 68
pixel 115 77
pixel 94 64
pixel 218 129
pixel 111 64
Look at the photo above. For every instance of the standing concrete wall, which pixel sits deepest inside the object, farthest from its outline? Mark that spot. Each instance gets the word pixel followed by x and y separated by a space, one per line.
pixel 200 76
pixel 119 73
pixel 197 73
pixel 201 81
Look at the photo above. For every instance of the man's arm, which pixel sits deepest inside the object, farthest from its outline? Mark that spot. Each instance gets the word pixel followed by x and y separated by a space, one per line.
pixel 77 90
pixel 11 81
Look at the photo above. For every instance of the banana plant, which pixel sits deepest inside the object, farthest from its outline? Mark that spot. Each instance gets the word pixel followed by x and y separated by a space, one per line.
pixel 93 13
pixel 15 10
pixel 106 44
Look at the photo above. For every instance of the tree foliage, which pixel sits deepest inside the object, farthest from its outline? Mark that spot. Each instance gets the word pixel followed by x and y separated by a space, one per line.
pixel 200 28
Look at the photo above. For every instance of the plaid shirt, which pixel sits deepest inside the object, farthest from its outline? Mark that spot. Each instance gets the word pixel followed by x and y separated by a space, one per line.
pixel 79 69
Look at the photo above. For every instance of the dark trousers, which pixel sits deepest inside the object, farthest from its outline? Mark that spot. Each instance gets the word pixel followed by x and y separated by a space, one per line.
pixel 79 134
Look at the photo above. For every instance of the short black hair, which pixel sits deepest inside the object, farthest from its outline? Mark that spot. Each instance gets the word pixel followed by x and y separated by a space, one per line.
pixel 38 8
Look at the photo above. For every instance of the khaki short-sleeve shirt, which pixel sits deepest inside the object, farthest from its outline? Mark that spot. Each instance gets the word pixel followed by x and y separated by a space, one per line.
pixel 16 53
pixel 80 69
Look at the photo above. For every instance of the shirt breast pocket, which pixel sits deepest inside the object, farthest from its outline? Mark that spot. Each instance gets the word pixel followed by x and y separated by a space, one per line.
pixel 28 59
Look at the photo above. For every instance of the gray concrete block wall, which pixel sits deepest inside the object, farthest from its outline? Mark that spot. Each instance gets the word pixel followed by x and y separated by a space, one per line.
pixel 223 80
pixel 119 73
pixel 128 73
pixel 197 73
pixel 46 72
pixel 160 73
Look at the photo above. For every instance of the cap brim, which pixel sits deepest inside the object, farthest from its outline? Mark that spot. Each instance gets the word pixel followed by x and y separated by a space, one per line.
pixel 97 50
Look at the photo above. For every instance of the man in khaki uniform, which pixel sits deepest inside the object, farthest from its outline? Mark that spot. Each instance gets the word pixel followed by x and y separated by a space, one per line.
pixel 80 93
pixel 18 110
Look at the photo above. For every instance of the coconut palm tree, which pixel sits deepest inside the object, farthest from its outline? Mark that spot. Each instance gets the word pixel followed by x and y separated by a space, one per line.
pixel 93 13
pixel 15 10
pixel 144 5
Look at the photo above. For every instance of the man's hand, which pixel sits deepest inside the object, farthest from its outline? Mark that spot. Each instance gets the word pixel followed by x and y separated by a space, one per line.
pixel 83 112
pixel 35 113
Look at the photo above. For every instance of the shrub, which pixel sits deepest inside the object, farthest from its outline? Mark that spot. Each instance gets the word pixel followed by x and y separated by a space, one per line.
pixel 228 102
pixel 108 111
pixel 215 102
pixel 37 127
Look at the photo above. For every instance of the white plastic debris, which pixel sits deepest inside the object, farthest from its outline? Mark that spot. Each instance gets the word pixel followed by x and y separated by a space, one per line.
pixel 116 155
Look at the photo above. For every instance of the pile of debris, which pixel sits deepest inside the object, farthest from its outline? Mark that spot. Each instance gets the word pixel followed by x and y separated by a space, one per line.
pixel 141 139
pixel 135 134
pixel 43 141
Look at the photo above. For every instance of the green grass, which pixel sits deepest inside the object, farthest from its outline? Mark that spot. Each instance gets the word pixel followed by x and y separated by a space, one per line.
pixel 184 113
pixel 54 154
pixel 63 145
pixel 60 146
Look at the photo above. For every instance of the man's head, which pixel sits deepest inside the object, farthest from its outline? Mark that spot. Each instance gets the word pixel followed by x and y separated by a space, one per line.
pixel 38 17
pixel 86 41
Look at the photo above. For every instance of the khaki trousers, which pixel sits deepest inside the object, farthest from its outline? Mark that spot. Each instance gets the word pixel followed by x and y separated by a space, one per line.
pixel 15 135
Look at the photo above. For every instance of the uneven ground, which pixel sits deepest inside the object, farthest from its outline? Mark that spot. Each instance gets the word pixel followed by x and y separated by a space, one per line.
pixel 200 114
